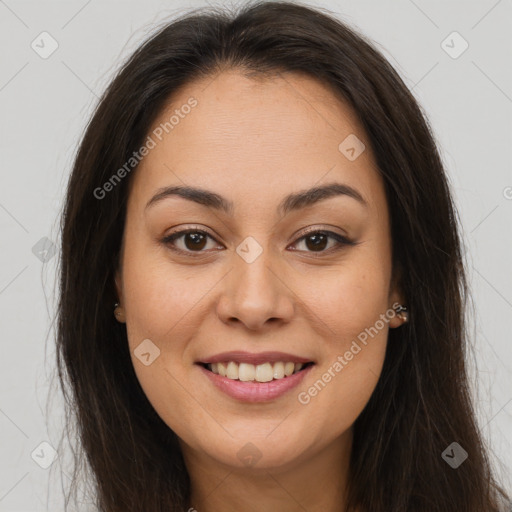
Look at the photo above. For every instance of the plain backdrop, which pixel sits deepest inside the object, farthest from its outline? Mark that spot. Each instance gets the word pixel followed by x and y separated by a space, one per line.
pixel 46 102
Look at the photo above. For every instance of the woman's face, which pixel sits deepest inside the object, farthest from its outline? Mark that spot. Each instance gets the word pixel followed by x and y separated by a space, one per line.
pixel 308 278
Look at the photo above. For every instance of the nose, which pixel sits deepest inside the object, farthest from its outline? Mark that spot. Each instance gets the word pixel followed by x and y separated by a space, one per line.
pixel 255 294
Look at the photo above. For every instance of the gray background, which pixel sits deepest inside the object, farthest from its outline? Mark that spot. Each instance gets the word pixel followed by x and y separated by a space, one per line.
pixel 45 104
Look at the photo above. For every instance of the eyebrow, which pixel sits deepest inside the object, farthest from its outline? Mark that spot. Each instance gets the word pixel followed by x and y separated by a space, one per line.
pixel 291 202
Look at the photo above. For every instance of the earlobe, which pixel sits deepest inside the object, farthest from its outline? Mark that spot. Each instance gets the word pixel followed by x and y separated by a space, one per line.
pixel 119 313
pixel 399 316
pixel 400 313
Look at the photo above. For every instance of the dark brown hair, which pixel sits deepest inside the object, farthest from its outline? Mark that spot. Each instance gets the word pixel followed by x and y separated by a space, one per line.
pixel 422 401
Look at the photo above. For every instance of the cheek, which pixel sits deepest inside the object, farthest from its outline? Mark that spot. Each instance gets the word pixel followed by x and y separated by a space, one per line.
pixel 347 299
pixel 162 298
pixel 345 381
pixel 350 307
pixel 162 306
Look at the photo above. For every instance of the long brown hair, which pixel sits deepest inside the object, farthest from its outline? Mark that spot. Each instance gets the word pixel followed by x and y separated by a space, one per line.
pixel 422 401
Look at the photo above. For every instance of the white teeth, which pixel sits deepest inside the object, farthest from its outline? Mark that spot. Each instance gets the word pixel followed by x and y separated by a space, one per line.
pixel 260 373
pixel 264 372
pixel 246 372
pixel 221 369
pixel 232 370
pixel 289 368
pixel 278 370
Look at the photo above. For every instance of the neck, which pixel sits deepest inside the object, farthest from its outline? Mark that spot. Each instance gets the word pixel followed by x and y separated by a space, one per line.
pixel 313 482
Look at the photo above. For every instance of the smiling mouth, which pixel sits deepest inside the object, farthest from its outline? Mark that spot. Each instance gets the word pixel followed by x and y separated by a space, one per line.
pixel 247 372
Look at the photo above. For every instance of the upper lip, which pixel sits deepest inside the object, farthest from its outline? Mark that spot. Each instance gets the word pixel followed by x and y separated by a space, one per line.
pixel 255 359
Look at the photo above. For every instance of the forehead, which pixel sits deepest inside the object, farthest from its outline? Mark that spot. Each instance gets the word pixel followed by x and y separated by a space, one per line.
pixel 257 136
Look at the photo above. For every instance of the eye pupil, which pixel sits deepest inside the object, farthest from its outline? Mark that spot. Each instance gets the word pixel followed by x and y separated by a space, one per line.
pixel 318 243
pixel 196 238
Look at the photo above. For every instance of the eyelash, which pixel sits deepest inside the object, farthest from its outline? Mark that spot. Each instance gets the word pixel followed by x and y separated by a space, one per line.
pixel 340 239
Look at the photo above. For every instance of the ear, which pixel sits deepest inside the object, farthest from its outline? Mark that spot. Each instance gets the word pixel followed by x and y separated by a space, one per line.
pixel 396 297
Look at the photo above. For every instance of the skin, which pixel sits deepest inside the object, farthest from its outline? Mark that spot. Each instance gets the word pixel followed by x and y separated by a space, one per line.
pixel 254 141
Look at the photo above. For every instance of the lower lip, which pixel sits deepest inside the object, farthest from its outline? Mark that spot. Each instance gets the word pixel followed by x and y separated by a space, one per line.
pixel 256 391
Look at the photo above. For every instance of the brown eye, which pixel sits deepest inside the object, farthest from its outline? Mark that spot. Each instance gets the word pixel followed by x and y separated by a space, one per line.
pixel 194 241
pixel 318 241
pixel 188 241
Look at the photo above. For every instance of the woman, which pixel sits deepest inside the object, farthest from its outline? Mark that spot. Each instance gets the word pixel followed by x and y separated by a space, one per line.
pixel 262 288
